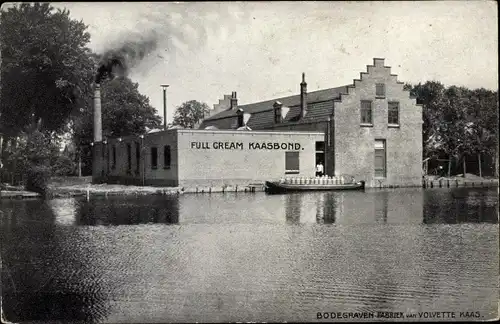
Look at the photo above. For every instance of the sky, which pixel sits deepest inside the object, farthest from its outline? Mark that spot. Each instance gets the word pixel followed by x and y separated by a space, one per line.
pixel 260 49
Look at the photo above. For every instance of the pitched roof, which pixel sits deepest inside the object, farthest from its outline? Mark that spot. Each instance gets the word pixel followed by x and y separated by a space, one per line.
pixel 292 101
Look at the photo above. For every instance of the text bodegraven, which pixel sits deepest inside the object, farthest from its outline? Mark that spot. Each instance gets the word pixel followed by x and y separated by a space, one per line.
pixel 344 315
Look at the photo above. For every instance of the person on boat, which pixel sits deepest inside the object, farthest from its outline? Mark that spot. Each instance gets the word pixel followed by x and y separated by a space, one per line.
pixel 319 169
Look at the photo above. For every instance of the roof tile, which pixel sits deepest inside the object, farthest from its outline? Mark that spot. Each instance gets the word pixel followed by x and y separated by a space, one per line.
pixel 319 106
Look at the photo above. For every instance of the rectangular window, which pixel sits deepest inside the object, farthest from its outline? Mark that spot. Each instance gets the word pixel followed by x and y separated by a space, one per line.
pixel 166 157
pixel 113 165
pixel 380 90
pixel 393 113
pixel 366 112
pixel 137 156
pixel 129 157
pixel 380 159
pixel 292 163
pixel 154 158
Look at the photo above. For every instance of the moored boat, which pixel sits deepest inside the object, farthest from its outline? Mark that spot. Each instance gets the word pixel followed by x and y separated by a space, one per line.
pixel 314 184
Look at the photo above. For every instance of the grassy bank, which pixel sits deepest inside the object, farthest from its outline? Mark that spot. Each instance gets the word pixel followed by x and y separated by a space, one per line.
pixel 74 186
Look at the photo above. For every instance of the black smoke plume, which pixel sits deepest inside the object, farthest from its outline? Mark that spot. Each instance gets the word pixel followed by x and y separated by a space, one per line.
pixel 119 60
pixel 165 27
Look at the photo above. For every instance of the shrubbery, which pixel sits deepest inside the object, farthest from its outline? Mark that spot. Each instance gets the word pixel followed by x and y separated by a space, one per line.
pixel 63 165
pixel 37 178
pixel 37 157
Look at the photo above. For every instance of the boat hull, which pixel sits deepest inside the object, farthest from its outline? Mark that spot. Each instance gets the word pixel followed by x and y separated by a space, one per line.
pixel 276 187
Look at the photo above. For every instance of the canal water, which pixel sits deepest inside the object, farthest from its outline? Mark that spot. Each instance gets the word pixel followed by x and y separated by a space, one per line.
pixel 250 257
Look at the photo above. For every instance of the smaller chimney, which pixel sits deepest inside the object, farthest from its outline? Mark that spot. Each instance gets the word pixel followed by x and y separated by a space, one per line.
pixel 277 112
pixel 303 96
pixel 234 101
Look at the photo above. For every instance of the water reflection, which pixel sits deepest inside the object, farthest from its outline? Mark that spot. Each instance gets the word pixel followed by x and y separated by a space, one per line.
pixel 250 257
pixel 381 206
pixel 64 210
pixel 293 208
pixel 126 211
pixel 391 206
pixel 460 205
pixel 43 266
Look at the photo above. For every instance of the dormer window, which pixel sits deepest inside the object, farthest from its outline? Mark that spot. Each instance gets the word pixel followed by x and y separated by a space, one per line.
pixel 278 118
pixel 239 114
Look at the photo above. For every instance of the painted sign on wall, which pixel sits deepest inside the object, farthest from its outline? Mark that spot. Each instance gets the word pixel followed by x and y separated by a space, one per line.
pixel 249 146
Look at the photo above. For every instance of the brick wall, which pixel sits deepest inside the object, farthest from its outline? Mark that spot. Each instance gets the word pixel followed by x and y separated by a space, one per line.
pixel 354 144
pixel 209 166
pixel 142 171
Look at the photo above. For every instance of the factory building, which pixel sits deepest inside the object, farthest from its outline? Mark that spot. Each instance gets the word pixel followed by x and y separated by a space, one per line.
pixel 370 129
pixel 215 158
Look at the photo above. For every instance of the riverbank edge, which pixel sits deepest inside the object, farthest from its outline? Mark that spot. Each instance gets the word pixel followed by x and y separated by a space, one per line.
pixel 104 190
pixel 121 190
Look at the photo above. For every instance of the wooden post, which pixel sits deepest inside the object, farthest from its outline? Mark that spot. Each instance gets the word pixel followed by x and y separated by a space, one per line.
pixel 449 166
pixel 495 157
pixel 79 164
pixel 1 148
pixel 463 162
pixel 479 157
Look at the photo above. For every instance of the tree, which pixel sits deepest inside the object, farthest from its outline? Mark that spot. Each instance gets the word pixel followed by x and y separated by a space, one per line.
pixel 483 120
pixel 46 74
pixel 458 122
pixel 431 96
pixel 190 113
pixel 46 67
pixel 125 111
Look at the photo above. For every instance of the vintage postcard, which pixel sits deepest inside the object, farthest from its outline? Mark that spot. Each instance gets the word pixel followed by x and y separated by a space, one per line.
pixel 249 162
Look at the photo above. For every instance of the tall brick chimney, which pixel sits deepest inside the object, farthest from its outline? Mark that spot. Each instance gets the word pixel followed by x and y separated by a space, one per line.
pixel 97 147
pixel 234 101
pixel 303 96
pixel 97 114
